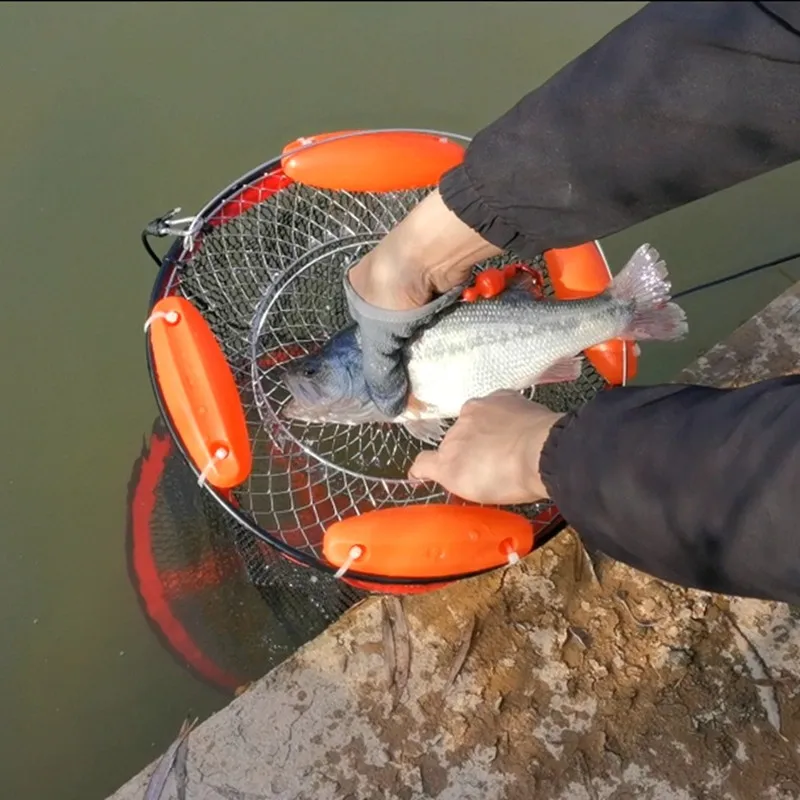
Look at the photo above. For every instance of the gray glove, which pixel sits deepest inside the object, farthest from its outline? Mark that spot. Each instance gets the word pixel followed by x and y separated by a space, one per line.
pixel 383 336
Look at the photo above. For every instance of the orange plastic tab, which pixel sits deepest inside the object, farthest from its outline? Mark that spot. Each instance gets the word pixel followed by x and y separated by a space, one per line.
pixel 378 161
pixel 428 541
pixel 199 392
pixel 581 271
pixel 491 282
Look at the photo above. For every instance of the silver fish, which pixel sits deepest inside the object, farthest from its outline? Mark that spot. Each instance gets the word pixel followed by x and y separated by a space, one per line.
pixel 512 341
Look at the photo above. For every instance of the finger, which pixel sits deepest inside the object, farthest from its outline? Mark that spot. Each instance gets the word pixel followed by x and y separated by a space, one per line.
pixel 425 466
pixel 476 403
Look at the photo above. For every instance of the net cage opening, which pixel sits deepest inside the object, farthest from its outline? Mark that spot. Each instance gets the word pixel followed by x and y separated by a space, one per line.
pixel 263 264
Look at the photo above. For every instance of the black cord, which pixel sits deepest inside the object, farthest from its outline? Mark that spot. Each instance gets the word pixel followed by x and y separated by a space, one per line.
pixel 149 249
pixel 159 227
pixel 736 275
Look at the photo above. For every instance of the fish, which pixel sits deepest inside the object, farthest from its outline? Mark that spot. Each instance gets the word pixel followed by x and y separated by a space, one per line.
pixel 158 780
pixel 512 341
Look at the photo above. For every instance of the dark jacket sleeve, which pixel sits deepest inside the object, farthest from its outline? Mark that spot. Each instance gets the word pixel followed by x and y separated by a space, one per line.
pixel 677 102
pixel 691 484
pixel 695 485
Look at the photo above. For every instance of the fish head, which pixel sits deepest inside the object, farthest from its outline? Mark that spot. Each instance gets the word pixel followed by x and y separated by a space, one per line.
pixel 329 385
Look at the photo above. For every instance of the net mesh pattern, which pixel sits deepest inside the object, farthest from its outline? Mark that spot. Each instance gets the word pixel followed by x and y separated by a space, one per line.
pixel 266 274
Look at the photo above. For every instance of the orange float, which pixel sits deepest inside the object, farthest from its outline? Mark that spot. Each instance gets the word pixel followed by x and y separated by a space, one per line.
pixel 375 161
pixel 582 271
pixel 433 544
pixel 428 541
pixel 199 392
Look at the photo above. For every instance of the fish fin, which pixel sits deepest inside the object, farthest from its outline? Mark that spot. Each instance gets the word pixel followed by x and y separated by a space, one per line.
pixel 644 282
pixel 415 406
pixel 430 431
pixel 566 370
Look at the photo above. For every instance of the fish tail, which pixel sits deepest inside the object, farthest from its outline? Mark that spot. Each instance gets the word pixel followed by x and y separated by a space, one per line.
pixel 644 282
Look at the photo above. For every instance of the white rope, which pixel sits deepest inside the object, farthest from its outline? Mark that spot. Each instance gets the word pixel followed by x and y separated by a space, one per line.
pixel 171 317
pixel 355 552
pixel 220 454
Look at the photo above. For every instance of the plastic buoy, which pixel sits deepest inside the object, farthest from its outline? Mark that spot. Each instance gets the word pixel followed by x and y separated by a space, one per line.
pixel 379 161
pixel 199 392
pixel 427 541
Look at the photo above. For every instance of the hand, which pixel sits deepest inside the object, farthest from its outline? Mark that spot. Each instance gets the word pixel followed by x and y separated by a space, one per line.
pixel 416 270
pixel 491 454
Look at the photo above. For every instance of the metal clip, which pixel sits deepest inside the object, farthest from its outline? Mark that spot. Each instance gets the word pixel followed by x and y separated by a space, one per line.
pixel 169 225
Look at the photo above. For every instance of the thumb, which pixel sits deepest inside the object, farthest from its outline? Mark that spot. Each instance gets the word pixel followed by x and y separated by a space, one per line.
pixel 425 466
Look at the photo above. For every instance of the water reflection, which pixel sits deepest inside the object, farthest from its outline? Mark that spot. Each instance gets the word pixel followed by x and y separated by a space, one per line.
pixel 226 606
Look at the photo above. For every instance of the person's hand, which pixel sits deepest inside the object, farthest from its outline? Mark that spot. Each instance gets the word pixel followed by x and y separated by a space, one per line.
pixel 491 454
pixel 416 270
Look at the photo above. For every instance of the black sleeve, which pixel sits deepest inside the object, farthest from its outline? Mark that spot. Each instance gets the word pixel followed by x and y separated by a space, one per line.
pixel 679 101
pixel 695 485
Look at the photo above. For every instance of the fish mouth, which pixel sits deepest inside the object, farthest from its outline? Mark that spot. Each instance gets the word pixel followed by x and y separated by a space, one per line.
pixel 301 412
pixel 303 403
pixel 306 404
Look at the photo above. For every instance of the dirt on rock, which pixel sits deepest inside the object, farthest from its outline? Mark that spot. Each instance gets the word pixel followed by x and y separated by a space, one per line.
pixel 586 679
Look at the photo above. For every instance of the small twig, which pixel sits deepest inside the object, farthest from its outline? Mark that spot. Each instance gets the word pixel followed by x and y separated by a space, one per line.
pixel 622 596
pixel 590 563
pixel 181 774
pixel 402 646
pixel 461 656
pixel 388 644
pixel 765 680
pixel 580 635
pixel 586 775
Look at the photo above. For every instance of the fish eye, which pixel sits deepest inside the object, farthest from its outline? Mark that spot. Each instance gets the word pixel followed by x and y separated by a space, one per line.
pixel 309 371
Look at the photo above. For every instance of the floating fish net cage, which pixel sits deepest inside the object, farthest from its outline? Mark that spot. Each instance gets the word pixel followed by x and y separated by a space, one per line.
pixel 263 264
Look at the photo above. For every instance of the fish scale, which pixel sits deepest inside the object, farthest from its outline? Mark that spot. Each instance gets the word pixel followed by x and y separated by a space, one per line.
pixel 506 342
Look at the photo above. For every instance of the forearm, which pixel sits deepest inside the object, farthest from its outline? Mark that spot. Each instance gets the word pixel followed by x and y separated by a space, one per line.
pixel 678 102
pixel 694 485
pixel 431 248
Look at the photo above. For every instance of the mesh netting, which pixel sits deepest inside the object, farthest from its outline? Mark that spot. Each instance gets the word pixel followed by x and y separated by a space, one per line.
pixel 266 273
pixel 224 605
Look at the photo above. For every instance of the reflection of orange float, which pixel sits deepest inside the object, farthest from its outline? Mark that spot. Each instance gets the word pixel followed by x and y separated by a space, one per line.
pixel 425 542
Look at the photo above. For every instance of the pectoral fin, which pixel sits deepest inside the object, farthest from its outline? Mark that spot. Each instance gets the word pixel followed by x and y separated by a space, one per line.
pixel 430 431
pixel 565 371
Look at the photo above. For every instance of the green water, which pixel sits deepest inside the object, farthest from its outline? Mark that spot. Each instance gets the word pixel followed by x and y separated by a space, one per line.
pixel 116 112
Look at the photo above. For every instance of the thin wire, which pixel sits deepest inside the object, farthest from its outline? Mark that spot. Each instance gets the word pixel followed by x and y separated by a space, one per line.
pixel 735 275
